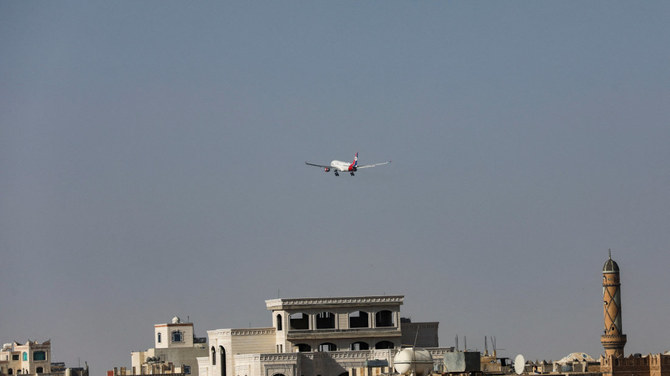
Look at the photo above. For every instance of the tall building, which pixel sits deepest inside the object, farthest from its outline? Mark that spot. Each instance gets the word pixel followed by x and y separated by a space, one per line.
pixel 613 339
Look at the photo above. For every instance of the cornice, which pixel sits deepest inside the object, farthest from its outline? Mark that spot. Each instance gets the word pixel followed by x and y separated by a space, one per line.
pixel 294 303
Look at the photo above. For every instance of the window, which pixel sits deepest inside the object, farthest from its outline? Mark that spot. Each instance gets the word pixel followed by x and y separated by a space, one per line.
pixel 384 319
pixel 39 355
pixel 278 322
pixel 187 370
pixel 177 336
pixel 358 319
pixel 360 346
pixel 303 347
pixel 213 356
pixel 384 345
pixel 11 371
pixel 15 356
pixel 39 370
pixel 25 356
pixel 299 321
pixel 325 320
pixel 159 337
pixel 327 347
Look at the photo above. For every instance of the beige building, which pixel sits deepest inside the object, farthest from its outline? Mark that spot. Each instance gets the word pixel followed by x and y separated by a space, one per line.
pixel 320 336
pixel 29 358
pixel 175 351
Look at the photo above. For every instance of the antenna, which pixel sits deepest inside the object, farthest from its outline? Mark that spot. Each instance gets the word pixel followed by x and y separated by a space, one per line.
pixel 519 364
pixel 456 342
pixel 465 345
pixel 486 347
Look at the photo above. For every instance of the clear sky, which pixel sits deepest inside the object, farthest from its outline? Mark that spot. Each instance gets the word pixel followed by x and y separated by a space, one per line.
pixel 152 164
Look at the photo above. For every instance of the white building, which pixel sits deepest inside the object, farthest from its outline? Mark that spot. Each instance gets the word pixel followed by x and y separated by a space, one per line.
pixel 29 358
pixel 319 336
pixel 175 352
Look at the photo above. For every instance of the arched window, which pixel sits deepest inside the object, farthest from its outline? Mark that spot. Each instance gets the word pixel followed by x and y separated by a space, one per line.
pixel 384 318
pixel 325 320
pixel 360 346
pixel 279 322
pixel 159 337
pixel 10 371
pixel 384 345
pixel 25 356
pixel 39 370
pixel 303 347
pixel 299 321
pixel 327 346
pixel 222 355
pixel 213 356
pixel 358 319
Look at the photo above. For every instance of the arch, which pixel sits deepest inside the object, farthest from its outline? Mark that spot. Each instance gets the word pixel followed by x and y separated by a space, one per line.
pixel 325 320
pixel 10 371
pixel 327 346
pixel 384 345
pixel 39 370
pixel 25 356
pixel 358 319
pixel 222 355
pixel 384 318
pixel 299 321
pixel 278 322
pixel 277 374
pixel 213 356
pixel 360 345
pixel 303 347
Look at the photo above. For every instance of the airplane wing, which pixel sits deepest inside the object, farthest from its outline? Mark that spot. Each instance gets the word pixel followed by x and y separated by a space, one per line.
pixel 317 165
pixel 373 165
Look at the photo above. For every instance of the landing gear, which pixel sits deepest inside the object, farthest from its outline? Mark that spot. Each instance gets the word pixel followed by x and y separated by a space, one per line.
pixel 351 173
pixel 337 173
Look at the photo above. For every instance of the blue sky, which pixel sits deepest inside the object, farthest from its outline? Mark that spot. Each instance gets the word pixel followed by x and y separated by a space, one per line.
pixel 153 156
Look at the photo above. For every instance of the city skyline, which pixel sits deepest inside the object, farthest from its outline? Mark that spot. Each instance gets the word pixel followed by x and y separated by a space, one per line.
pixel 153 157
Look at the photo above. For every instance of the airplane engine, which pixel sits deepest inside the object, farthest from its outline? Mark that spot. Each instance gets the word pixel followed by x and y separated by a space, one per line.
pixel 326 169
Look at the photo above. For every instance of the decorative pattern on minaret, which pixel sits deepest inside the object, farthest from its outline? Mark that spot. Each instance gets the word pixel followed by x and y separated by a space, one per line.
pixel 613 339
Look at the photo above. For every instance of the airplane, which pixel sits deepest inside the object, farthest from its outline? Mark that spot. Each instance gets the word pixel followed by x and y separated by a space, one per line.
pixel 339 166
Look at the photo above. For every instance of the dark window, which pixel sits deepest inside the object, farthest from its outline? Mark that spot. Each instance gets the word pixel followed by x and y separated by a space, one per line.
pixel 360 346
pixel 11 371
pixel 299 321
pixel 213 356
pixel 358 319
pixel 325 320
pixel 159 337
pixel 39 355
pixel 222 355
pixel 39 370
pixel 15 356
pixel 303 347
pixel 279 322
pixel 384 345
pixel 177 336
pixel 384 318
pixel 187 370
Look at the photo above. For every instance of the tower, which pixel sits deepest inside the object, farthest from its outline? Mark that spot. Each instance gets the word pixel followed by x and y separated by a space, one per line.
pixel 613 339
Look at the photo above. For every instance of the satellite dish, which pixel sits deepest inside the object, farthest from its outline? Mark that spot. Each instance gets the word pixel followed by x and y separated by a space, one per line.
pixel 519 364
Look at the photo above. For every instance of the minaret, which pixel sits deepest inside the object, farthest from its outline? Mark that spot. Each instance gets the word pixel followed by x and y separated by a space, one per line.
pixel 613 339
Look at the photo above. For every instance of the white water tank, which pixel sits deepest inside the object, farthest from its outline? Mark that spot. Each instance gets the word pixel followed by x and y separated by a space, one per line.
pixel 413 361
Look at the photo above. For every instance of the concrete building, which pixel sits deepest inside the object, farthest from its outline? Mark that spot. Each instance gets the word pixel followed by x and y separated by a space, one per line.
pixel 33 358
pixel 29 358
pixel 320 336
pixel 175 352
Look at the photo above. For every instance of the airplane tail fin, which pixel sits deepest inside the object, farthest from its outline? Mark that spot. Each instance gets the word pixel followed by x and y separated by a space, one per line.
pixel 354 164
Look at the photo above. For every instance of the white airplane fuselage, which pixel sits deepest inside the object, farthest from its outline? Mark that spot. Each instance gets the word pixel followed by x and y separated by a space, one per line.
pixel 341 166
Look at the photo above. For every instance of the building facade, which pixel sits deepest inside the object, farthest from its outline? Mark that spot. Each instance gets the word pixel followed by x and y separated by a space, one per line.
pixel 29 358
pixel 320 336
pixel 175 352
